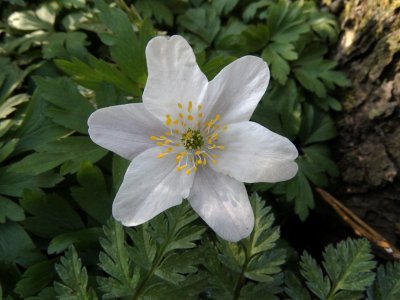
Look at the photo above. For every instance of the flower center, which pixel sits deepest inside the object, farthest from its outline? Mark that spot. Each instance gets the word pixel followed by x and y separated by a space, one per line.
pixel 192 139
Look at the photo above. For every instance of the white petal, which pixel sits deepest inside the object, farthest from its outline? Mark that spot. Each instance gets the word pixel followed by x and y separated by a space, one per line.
pixel 235 92
pixel 124 129
pixel 222 202
pixel 254 153
pixel 151 185
pixel 173 76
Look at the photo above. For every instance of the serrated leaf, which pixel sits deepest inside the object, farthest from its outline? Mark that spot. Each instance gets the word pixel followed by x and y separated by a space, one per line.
pixel 387 283
pixel 349 265
pixel 315 279
pixel 74 278
pixel 157 9
pixel 294 288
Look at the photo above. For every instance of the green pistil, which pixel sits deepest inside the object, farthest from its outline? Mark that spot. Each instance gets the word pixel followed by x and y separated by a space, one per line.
pixel 192 139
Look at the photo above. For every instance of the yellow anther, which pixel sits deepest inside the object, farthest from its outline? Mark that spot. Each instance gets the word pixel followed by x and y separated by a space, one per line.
pixel 217 117
pixel 169 150
pixel 179 168
pixel 198 152
pixel 209 141
pixel 216 127
pixel 198 124
pixel 204 161
pixel 168 122
pixel 181 115
pixel 190 117
pixel 200 115
pixel 162 137
pixel 225 127
pixel 167 142
pixel 180 105
pixel 214 161
pixel 188 172
pixel 154 138
pixel 190 106
pixel 183 153
pixel 222 147
pixel 161 155
pixel 176 131
pixel 160 144
pixel 214 156
pixel 199 162
pixel 199 107
pixel 167 133
pixel 214 136
pixel 176 122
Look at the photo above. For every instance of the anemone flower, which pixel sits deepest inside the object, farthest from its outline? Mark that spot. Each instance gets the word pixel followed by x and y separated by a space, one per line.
pixel 192 139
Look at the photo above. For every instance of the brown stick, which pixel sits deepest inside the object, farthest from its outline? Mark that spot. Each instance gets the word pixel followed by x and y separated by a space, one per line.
pixel 358 225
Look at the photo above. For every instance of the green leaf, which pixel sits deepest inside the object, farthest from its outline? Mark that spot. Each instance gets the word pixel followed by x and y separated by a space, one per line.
pixel 317 126
pixel 95 73
pixel 224 7
pixel 157 9
pixel 35 278
pixel 16 246
pixel 387 283
pixel 69 152
pixel 85 238
pixel 9 106
pixel 10 210
pixel 215 65
pixel 92 196
pixel 349 265
pixel 71 109
pixel 203 22
pixel 315 73
pixel 51 214
pixel 74 278
pixel 28 21
pixel 115 261
pixel 319 284
pixel 294 288
pixel 13 184
pixel 127 48
pixel 256 258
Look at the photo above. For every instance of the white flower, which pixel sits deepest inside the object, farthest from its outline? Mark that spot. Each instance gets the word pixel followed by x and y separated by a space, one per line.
pixel 193 139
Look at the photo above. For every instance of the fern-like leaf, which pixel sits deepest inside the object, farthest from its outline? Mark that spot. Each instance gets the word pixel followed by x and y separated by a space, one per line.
pixel 387 284
pixel 74 278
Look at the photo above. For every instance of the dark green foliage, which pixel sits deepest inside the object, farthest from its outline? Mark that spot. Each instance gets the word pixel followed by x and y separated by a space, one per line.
pixel 159 258
pixel 348 268
pixel 61 60
pixel 250 268
pixel 387 283
pixel 74 278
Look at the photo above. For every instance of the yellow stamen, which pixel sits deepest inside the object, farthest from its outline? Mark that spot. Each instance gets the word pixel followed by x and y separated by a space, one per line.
pixel 199 107
pixel 200 115
pixel 180 105
pixel 187 172
pixel 160 144
pixel 190 117
pixel 154 138
pixel 190 106
pixel 161 155
pixel 181 115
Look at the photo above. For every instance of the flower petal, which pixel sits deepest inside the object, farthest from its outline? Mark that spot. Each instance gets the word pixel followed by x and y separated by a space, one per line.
pixel 222 202
pixel 124 129
pixel 253 153
pixel 235 92
pixel 150 186
pixel 174 76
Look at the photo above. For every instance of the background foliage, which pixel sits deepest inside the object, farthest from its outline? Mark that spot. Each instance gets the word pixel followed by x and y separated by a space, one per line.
pixel 63 59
